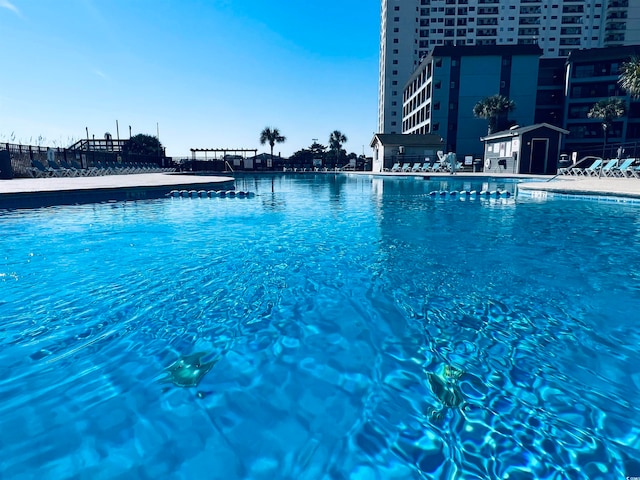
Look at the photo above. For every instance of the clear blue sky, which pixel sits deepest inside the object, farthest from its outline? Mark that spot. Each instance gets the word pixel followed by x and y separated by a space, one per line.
pixel 208 73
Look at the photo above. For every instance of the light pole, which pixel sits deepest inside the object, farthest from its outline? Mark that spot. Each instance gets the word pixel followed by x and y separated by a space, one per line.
pixel 604 146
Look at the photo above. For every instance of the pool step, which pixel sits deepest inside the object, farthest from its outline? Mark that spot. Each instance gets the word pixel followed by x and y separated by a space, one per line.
pixel 209 193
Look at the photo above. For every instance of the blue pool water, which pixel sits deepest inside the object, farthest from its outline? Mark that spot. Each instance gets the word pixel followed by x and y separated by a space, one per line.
pixel 359 329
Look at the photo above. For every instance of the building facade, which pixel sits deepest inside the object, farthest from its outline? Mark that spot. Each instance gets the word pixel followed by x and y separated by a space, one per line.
pixel 592 75
pixel 410 29
pixel 440 95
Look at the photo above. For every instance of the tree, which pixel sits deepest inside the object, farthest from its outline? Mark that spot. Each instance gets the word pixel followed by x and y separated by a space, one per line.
pixel 630 76
pixel 271 136
pixel 336 139
pixel 317 149
pixel 142 144
pixel 307 156
pixel 491 108
pixel 607 110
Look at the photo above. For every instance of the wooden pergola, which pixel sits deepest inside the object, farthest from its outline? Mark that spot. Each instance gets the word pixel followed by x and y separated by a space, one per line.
pixel 234 151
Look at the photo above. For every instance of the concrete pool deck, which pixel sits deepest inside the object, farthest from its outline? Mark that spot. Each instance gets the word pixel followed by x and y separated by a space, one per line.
pixel 585 186
pixel 33 192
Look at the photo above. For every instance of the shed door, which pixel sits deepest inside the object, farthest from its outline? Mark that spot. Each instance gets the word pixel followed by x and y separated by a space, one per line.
pixel 539 154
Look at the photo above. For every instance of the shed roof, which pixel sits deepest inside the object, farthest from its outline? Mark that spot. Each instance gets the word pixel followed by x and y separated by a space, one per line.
pixel 514 132
pixel 407 140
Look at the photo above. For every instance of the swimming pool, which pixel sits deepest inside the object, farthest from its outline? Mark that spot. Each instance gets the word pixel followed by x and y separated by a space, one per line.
pixel 350 326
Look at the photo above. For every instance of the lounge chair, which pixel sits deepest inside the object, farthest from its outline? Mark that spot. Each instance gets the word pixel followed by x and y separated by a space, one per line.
pixel 590 170
pixel 425 167
pixel 38 170
pixel 621 171
pixel 406 167
pixel 417 166
pixel 76 172
pixel 607 170
pixel 635 171
pixel 59 171
pixel 396 167
pixel 437 167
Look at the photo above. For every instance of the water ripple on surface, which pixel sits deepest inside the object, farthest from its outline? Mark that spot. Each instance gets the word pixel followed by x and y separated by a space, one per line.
pixel 359 328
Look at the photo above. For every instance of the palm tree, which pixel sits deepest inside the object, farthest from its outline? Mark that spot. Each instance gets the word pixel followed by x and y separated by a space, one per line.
pixel 607 110
pixel 490 108
pixel 271 136
pixel 630 76
pixel 336 139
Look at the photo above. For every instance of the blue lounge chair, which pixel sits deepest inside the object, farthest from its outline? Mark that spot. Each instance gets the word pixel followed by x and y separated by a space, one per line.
pixel 437 167
pixel 607 170
pixel 621 171
pixel 633 171
pixel 591 169
pixel 406 167
pixel 396 167
pixel 417 166
pixel 38 170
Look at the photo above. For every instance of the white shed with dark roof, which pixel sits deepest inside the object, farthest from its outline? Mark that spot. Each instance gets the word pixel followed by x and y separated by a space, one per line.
pixel 532 149
pixel 391 148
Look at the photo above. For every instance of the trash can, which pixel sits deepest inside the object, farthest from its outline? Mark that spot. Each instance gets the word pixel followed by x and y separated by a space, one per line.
pixel 6 172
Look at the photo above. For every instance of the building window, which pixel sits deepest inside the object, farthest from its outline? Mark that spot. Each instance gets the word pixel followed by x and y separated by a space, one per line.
pixel 396 30
pixel 395 82
pixel 394 72
pixel 396 8
pixel 396 19
pixel 395 40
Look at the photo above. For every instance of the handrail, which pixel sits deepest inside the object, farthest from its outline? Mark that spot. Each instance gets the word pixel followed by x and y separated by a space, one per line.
pixel 227 165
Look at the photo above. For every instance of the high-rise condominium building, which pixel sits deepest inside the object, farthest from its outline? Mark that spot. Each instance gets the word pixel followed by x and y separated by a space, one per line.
pixel 410 29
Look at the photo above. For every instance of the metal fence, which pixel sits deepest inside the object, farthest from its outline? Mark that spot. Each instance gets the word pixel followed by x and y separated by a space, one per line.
pixel 612 150
pixel 23 157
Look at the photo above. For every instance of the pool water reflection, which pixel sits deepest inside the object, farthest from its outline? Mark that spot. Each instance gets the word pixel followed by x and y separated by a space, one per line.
pixel 332 326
